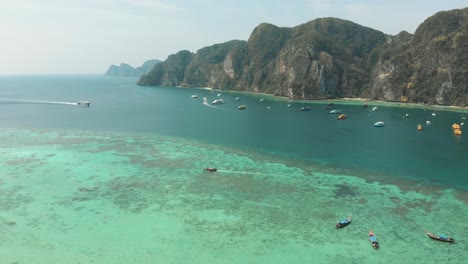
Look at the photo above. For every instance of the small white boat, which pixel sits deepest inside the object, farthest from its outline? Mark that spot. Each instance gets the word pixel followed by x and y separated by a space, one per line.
pixel 289 105
pixel 237 98
pixel 83 103
pixel 261 100
pixel 242 107
pixel 218 101
pixel 219 95
pixel 194 96
pixel 335 111
pixel 374 108
pixel 428 122
pixel 379 124
pixel 433 114
pixel 406 116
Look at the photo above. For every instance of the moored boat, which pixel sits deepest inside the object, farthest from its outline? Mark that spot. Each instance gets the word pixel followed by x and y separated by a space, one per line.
pixel 305 108
pixel 335 111
pixel 341 117
pixel 379 124
pixel 242 107
pixel 373 240
pixel 443 238
pixel 194 96
pixel 211 169
pixel 419 128
pixel 344 222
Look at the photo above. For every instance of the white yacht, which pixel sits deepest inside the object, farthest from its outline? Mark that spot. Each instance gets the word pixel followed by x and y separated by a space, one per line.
pixel 218 101
pixel 83 103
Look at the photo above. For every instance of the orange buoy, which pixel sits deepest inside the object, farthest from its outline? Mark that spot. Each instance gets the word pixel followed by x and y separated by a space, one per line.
pixel 455 126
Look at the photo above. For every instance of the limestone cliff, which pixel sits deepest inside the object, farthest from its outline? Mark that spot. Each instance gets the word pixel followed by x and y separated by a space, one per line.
pixel 333 58
pixel 126 70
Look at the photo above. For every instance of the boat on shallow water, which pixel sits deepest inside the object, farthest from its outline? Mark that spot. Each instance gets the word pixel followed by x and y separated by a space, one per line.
pixel 83 103
pixel 344 222
pixel 211 169
pixel 373 240
pixel 443 238
pixel 242 107
pixel 335 111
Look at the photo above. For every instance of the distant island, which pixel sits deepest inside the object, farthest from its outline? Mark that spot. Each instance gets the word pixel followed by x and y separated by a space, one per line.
pixel 125 70
pixel 330 58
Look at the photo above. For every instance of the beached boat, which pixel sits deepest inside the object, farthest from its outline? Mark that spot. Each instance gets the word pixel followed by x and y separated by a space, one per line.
pixel 211 169
pixel 305 108
pixel 218 101
pixel 373 240
pixel 379 124
pixel 344 222
pixel 443 238
pixel 341 117
pixel 242 107
pixel 83 103
pixel 335 111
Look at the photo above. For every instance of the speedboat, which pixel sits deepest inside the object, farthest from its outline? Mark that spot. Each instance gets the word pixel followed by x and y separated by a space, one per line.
pixel 373 240
pixel 344 222
pixel 335 111
pixel 379 124
pixel 83 103
pixel 211 169
pixel 443 238
pixel 218 101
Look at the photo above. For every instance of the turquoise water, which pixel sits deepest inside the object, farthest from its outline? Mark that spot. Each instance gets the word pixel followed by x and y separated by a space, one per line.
pixel 122 181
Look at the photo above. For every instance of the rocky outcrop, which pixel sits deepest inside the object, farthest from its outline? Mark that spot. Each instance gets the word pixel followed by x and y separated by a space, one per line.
pixel 334 58
pixel 125 70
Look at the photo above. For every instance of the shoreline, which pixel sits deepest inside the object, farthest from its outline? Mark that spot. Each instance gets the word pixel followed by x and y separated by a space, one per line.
pixel 357 100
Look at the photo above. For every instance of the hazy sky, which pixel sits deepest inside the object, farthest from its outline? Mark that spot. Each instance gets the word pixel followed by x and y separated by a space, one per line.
pixel 86 36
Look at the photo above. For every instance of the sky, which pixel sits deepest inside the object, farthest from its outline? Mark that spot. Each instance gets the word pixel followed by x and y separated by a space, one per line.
pixel 87 36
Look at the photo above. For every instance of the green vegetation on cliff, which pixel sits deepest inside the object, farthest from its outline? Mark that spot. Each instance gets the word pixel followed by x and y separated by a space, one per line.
pixel 334 58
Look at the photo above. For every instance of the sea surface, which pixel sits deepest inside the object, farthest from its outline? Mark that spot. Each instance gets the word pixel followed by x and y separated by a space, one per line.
pixel 123 181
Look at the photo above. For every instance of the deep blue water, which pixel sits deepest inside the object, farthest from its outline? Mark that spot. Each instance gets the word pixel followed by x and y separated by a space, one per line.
pixel 118 104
